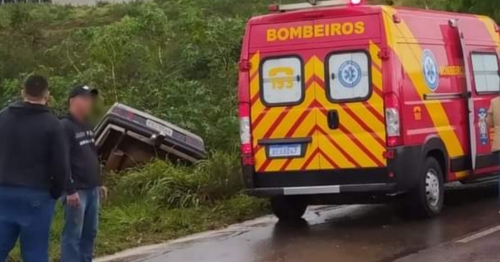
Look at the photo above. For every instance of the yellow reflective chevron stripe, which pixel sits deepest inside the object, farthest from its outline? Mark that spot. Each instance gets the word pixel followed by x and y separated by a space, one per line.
pixel 410 57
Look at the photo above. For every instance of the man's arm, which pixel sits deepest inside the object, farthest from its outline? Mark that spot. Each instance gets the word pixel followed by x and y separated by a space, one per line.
pixel 59 159
pixel 72 197
pixel 69 136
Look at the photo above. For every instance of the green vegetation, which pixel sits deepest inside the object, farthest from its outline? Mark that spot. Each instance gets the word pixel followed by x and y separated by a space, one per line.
pixel 162 201
pixel 176 59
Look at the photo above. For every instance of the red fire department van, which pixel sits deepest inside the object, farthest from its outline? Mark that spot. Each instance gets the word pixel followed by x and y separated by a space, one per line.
pixel 341 102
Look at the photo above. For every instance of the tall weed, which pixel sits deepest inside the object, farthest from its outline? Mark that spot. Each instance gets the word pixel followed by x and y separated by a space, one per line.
pixel 174 186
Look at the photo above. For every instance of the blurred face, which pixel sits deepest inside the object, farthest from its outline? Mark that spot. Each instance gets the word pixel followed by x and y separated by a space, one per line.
pixel 82 105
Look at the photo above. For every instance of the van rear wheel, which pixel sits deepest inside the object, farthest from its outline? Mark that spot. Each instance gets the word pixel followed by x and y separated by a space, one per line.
pixel 427 198
pixel 288 208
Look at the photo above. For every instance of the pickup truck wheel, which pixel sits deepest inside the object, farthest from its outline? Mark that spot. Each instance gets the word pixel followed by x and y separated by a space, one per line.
pixel 288 208
pixel 427 198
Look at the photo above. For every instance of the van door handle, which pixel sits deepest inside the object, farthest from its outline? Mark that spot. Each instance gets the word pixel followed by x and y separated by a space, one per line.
pixel 333 119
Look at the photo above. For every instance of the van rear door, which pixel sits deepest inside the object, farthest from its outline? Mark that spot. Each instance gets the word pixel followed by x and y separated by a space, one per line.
pixel 283 111
pixel 351 122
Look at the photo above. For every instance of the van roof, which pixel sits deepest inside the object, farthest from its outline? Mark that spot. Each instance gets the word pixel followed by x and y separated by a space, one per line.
pixel 308 14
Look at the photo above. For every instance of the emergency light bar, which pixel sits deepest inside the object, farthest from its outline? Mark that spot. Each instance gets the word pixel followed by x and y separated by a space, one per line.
pixel 314 4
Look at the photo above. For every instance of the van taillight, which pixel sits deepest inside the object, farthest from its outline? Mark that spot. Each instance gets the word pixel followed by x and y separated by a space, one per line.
pixel 245 134
pixel 246 146
pixel 392 120
pixel 392 126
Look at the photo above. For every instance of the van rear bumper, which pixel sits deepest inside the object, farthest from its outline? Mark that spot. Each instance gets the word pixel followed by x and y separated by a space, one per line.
pixel 320 182
pixel 318 190
pixel 400 175
pixel 312 178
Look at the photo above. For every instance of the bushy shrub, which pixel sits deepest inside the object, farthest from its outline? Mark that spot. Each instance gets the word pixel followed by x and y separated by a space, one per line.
pixel 172 186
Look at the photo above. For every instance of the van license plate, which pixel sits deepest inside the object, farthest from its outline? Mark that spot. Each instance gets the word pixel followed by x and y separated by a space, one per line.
pixel 281 151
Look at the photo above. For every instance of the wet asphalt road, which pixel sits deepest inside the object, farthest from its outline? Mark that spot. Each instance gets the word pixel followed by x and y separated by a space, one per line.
pixel 354 234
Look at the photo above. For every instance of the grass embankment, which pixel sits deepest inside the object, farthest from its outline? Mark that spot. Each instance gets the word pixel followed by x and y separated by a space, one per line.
pixel 163 201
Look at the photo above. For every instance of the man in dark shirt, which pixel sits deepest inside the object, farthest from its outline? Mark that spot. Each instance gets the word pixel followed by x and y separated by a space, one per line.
pixel 83 188
pixel 33 167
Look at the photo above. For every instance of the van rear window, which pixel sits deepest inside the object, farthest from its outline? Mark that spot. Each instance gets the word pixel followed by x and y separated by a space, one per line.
pixel 282 81
pixel 348 75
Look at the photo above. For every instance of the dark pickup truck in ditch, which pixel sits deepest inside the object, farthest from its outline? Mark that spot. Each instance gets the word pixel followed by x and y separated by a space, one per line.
pixel 127 137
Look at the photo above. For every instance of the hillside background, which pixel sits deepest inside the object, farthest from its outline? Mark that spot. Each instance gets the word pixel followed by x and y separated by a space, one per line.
pixel 87 2
pixel 176 59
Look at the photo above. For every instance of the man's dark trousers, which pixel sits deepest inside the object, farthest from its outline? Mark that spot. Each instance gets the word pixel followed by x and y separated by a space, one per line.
pixel 80 228
pixel 26 214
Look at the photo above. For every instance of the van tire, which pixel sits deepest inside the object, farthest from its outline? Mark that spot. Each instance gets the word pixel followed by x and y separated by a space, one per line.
pixel 288 208
pixel 428 196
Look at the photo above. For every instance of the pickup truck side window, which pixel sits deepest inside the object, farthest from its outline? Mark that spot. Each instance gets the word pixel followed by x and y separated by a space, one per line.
pixel 282 81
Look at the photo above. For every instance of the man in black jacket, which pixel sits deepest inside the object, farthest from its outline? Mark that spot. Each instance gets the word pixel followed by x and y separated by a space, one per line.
pixel 33 167
pixel 83 188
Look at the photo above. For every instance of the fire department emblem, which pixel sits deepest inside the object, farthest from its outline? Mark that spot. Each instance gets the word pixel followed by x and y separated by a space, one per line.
pixel 483 126
pixel 431 70
pixel 350 74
